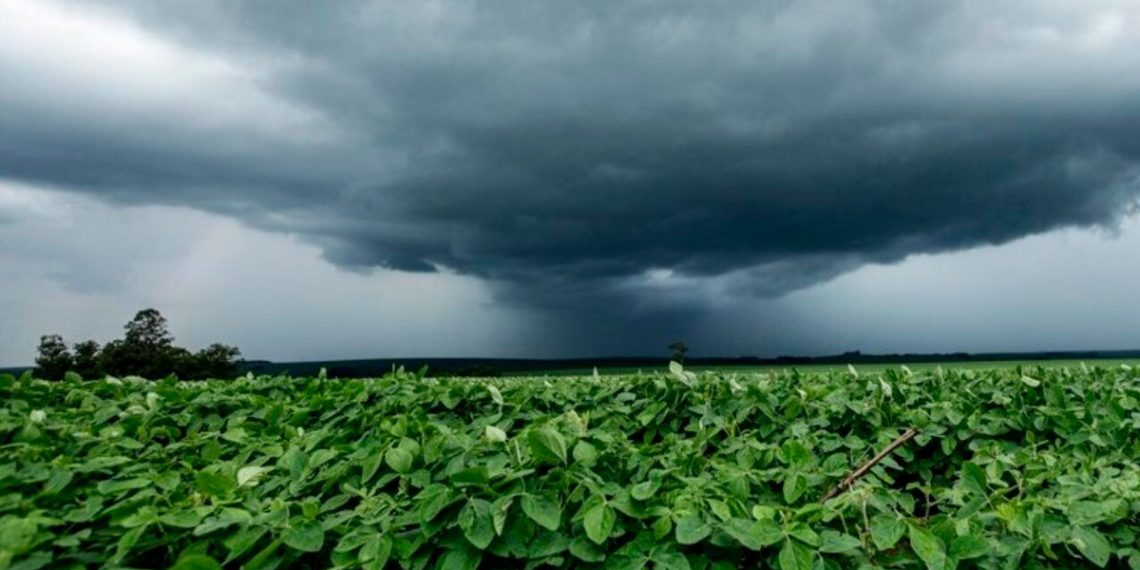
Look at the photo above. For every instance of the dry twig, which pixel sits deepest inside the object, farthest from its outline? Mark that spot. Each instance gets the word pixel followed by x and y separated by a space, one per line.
pixel 866 467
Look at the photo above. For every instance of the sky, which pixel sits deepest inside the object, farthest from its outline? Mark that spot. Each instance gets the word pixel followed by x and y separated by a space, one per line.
pixel 527 179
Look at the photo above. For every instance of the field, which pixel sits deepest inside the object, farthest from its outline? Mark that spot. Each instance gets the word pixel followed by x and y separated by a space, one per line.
pixel 1010 468
pixel 863 368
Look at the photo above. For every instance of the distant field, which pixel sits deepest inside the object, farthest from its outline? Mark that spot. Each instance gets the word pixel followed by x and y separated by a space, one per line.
pixel 914 366
pixel 516 368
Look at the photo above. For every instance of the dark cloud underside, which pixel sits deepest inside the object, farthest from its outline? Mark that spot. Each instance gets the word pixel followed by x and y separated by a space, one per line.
pixel 567 150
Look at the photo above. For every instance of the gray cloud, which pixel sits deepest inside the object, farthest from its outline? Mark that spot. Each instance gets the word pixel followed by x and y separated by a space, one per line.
pixel 567 152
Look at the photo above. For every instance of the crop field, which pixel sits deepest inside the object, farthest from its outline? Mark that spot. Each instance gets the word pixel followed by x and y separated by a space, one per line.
pixel 896 468
pixel 931 366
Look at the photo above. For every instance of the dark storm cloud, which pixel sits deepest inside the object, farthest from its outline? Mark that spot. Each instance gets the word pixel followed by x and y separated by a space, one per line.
pixel 567 150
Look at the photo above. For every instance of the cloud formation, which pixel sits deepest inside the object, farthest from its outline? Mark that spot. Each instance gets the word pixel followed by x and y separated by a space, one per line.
pixel 590 151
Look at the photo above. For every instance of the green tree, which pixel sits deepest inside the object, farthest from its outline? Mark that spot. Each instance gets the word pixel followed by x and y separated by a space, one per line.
pixel 87 358
pixel 146 350
pixel 53 359
pixel 115 359
pixel 148 329
pixel 217 361
pixel 679 349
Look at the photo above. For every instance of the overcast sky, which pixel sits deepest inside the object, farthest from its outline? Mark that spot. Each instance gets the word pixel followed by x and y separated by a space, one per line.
pixel 444 178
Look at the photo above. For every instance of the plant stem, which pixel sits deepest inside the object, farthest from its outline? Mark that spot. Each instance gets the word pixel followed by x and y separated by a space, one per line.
pixel 866 467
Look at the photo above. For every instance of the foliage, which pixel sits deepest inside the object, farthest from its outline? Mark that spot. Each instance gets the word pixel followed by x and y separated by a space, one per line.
pixel 86 362
pixel 214 361
pixel 148 329
pixel 678 350
pixel 1012 468
pixel 53 359
pixel 147 349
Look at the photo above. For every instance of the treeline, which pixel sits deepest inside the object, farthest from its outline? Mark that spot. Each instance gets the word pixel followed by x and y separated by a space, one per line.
pixel 147 349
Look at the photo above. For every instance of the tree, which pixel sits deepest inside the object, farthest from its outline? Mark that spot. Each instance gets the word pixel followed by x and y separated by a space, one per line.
pixel 115 359
pixel 87 360
pixel 146 350
pixel 679 349
pixel 217 361
pixel 53 359
pixel 148 329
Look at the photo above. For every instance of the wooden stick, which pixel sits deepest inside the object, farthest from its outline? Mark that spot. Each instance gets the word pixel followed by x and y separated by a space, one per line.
pixel 866 467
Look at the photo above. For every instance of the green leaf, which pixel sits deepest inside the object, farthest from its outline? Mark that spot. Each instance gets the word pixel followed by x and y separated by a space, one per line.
pixel 226 518
pixel 145 515
pixel 720 509
pixel 250 475
pixel 471 476
pixel 494 434
pixel 645 490
pixel 793 556
pixel 182 519
pixel 763 513
pixel 17 534
pixel 974 479
pixel 1092 545
pixel 1087 513
pixel 547 445
pixel 266 558
pixel 216 484
pixel 118 486
pixel 475 521
pixel 691 529
pixel 376 551
pixel 676 369
pixel 240 542
pixel 547 543
pixel 599 522
pixel 670 560
pixel 886 389
pixel 351 541
pixel 544 510
pixel 969 546
pixel 306 536
pixel 586 551
pixel 804 532
pixel 928 547
pixel 196 562
pixel 499 511
pixel 370 466
pixel 432 500
pixel 838 543
pixel 294 461
pixel 585 453
pixel 58 481
pixel 794 486
pixel 460 559
pixel 399 460
pixel 496 396
pixel 886 530
pixel 127 541
pixel 796 454
pixel 754 535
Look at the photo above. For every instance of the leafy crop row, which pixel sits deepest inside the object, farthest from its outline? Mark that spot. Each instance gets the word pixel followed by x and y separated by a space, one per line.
pixel 1010 469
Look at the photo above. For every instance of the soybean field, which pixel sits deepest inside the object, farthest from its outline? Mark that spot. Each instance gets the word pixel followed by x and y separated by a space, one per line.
pixel 894 468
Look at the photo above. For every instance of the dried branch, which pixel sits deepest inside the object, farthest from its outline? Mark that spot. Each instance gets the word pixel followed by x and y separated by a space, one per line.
pixel 858 474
